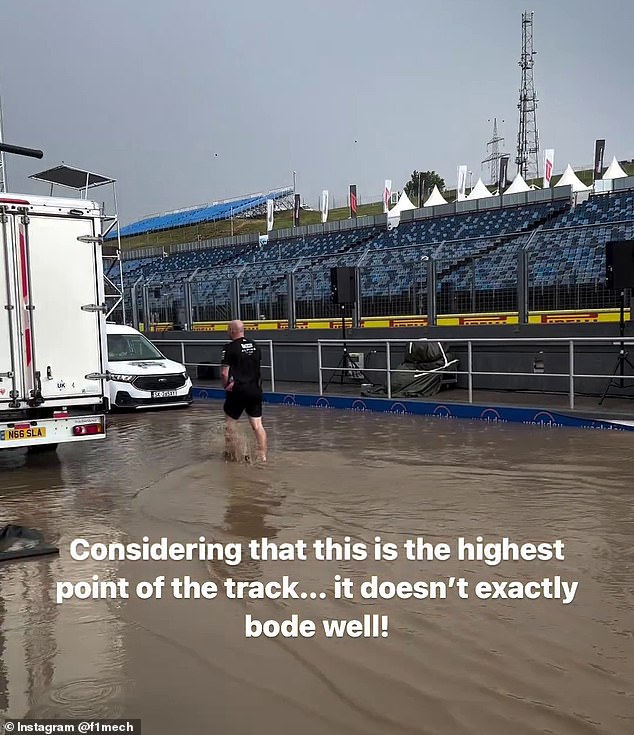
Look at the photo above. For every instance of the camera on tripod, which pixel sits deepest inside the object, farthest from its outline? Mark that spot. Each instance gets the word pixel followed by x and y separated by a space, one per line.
pixel 619 276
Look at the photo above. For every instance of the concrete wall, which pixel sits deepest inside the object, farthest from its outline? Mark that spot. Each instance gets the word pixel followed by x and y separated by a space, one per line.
pixel 296 353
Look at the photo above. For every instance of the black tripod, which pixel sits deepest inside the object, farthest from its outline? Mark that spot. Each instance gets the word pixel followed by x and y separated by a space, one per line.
pixel 622 360
pixel 346 364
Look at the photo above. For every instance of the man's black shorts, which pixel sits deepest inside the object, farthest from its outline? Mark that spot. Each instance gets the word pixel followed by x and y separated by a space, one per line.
pixel 240 400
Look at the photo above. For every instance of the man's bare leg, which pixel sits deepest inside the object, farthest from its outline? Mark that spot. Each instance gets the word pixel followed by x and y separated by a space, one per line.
pixel 231 426
pixel 260 435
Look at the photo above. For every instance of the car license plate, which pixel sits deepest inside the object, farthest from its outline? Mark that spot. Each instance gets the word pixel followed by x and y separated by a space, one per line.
pixel 34 432
pixel 164 394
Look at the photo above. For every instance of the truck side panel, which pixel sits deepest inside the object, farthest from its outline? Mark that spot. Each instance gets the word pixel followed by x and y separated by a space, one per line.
pixel 64 277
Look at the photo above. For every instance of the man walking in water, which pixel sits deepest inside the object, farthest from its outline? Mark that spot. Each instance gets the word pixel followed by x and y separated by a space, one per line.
pixel 240 372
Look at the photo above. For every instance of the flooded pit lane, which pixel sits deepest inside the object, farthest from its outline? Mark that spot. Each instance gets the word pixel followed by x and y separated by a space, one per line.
pixel 448 667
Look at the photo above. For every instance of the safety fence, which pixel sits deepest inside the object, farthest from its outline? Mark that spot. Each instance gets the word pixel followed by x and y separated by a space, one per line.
pixel 579 366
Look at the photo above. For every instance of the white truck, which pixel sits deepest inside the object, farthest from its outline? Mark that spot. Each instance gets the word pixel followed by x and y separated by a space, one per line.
pixel 53 344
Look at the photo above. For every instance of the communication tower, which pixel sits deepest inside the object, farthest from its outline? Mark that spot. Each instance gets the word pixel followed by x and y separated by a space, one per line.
pixel 527 137
pixel 494 158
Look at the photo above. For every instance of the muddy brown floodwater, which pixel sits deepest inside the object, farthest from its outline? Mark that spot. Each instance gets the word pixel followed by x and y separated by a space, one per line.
pixel 448 666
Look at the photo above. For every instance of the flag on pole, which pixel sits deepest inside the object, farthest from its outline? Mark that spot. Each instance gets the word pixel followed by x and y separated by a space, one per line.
pixel 353 200
pixel 549 162
pixel 502 179
pixel 422 189
pixel 324 205
pixel 387 193
pixel 296 210
pixel 599 150
pixel 269 214
pixel 462 183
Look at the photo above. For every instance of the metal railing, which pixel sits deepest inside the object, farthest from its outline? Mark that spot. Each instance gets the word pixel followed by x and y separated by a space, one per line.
pixel 570 374
pixel 218 342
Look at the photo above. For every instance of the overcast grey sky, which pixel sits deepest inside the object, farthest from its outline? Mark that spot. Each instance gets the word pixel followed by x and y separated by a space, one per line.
pixel 192 101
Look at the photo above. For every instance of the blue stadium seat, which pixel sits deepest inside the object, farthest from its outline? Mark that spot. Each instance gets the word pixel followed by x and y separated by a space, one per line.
pixel 564 244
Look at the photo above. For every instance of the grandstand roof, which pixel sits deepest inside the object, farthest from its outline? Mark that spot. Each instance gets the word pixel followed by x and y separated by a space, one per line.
pixel 570 178
pixel 614 171
pixel 435 199
pixel 198 215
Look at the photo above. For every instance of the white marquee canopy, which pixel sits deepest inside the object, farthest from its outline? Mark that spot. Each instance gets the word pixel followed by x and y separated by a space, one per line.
pixel 479 191
pixel 570 178
pixel 435 199
pixel 518 186
pixel 614 171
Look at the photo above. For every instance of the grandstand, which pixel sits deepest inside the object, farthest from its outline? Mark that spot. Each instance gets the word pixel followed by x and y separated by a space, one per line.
pixel 476 247
pixel 249 206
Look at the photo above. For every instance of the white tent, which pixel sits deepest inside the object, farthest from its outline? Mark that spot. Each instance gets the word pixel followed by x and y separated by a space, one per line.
pixel 402 205
pixel 479 191
pixel 614 171
pixel 394 215
pixel 518 186
pixel 570 178
pixel 435 199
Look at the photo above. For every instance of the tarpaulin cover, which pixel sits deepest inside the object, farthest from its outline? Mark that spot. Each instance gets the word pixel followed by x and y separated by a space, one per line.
pixel 17 542
pixel 420 358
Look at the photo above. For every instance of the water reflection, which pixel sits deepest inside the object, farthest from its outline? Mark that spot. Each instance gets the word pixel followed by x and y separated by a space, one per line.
pixel 446 669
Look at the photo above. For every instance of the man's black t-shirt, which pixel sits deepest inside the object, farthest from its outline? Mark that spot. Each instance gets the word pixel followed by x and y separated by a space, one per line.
pixel 243 358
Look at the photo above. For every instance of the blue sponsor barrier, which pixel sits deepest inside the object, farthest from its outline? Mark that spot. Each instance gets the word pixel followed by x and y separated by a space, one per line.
pixel 490 414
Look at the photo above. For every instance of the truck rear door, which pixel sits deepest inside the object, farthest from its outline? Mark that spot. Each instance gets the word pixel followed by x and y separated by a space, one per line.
pixel 10 362
pixel 60 277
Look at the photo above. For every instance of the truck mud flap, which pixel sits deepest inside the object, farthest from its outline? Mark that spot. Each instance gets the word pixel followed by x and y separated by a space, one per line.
pixel 18 542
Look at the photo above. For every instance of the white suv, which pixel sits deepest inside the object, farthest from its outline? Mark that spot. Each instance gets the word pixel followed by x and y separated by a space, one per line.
pixel 142 377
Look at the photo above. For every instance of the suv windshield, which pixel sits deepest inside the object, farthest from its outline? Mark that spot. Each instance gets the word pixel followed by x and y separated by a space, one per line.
pixel 131 347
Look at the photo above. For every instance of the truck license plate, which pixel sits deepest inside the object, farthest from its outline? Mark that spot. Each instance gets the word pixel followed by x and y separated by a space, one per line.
pixel 164 394
pixel 34 432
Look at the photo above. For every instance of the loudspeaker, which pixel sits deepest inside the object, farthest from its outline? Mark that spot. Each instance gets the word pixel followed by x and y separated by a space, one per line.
pixel 619 264
pixel 343 285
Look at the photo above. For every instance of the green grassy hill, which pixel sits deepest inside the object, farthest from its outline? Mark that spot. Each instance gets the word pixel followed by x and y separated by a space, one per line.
pixel 283 220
